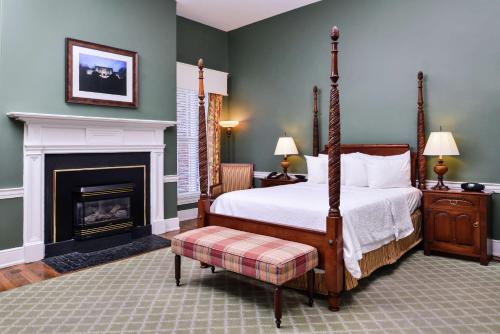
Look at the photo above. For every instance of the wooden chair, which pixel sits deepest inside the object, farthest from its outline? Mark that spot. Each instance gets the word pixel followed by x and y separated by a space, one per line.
pixel 233 177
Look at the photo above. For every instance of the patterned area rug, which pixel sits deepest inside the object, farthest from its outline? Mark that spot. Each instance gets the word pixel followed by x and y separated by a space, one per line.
pixel 138 295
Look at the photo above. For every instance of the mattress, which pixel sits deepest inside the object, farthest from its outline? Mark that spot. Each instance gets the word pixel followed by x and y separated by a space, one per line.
pixel 371 217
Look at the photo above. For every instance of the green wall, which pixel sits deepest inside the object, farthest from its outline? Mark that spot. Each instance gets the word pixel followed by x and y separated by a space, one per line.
pixel 275 63
pixel 32 74
pixel 11 223
pixel 196 40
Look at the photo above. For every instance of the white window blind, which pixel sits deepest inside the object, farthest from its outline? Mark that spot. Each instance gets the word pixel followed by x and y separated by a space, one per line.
pixel 188 186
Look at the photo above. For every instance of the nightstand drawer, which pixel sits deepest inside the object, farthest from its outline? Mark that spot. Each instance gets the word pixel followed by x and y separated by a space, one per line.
pixel 452 200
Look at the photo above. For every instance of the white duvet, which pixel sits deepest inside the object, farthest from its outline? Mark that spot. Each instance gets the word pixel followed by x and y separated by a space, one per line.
pixel 371 217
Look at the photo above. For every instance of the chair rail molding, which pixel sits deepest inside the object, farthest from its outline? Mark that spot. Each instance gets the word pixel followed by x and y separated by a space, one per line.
pixel 52 133
pixel 170 178
pixel 456 185
pixel 7 193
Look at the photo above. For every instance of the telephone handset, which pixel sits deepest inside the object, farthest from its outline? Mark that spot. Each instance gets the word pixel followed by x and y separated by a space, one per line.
pixel 274 175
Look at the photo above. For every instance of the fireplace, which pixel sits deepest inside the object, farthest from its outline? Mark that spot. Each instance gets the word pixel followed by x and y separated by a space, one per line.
pixel 95 200
pixel 102 210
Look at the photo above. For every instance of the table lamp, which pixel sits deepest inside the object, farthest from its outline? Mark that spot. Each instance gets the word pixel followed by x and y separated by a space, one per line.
pixel 441 143
pixel 285 146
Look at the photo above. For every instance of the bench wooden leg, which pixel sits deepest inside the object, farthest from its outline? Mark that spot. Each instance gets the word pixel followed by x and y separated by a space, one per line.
pixel 310 286
pixel 277 305
pixel 177 270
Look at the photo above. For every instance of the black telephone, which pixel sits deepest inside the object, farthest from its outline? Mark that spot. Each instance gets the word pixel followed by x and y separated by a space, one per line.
pixel 274 175
pixel 471 186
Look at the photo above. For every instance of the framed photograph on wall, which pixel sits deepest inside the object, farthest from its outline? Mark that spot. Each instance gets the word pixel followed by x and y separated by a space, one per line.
pixel 100 75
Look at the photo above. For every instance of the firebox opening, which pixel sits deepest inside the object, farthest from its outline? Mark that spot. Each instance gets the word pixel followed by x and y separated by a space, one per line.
pixel 102 210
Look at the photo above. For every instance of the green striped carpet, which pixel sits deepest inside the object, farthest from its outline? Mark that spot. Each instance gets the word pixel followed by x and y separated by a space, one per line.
pixel 138 295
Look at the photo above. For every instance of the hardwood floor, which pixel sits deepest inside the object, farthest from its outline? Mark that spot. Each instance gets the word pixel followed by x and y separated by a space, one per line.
pixel 23 274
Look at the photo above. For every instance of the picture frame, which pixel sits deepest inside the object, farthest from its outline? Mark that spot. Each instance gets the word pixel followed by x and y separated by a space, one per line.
pixel 101 75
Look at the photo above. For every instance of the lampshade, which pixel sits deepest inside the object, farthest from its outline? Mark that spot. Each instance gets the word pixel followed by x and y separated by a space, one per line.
pixel 441 143
pixel 228 124
pixel 285 146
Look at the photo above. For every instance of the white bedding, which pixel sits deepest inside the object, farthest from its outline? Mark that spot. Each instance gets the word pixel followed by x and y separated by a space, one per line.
pixel 371 217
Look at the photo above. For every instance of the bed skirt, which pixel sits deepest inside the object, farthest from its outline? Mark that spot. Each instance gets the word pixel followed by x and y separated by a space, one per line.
pixel 371 261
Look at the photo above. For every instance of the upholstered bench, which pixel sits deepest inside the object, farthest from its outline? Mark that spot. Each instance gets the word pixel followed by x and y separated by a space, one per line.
pixel 267 259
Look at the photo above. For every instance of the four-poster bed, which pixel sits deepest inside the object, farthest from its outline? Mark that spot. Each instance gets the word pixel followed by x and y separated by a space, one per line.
pixel 329 241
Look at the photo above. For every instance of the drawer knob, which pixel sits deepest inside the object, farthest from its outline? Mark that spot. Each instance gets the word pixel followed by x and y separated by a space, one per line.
pixel 476 224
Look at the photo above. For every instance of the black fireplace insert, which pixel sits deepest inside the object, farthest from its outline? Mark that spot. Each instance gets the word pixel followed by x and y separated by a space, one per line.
pixel 95 201
pixel 102 210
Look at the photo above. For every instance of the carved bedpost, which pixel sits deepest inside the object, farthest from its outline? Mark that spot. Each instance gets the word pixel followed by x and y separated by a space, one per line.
pixel 315 122
pixel 334 133
pixel 334 269
pixel 202 135
pixel 421 162
pixel 204 202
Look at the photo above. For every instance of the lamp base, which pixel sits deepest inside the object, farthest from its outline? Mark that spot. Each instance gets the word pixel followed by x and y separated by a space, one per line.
pixel 284 165
pixel 440 186
pixel 440 169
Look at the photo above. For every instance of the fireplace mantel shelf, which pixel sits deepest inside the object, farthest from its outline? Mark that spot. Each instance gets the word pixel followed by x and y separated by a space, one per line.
pixel 103 121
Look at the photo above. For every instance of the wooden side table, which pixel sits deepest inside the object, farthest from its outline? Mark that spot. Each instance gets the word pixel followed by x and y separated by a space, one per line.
pixel 457 222
pixel 279 182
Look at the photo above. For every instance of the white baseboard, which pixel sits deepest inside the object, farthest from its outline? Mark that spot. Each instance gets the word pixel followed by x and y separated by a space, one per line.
pixel 164 226
pixel 34 251
pixel 187 214
pixel 12 256
pixel 496 248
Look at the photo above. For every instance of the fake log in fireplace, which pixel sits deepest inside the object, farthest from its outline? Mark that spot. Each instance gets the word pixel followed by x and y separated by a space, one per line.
pixel 102 210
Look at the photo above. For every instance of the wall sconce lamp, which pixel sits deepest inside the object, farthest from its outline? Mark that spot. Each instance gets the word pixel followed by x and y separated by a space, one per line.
pixel 228 125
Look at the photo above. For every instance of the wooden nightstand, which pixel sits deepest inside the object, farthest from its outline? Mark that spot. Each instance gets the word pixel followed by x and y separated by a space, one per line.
pixel 279 182
pixel 457 222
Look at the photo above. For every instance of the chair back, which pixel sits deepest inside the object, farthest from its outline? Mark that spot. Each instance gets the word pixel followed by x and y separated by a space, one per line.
pixel 236 177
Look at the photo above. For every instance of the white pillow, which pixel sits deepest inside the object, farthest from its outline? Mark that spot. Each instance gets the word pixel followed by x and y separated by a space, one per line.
pixel 343 171
pixel 317 169
pixel 392 171
pixel 353 170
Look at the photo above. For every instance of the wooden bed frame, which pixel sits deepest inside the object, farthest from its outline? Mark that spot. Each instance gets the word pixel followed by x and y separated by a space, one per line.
pixel 330 243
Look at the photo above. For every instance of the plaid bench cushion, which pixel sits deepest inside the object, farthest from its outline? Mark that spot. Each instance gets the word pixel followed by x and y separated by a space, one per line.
pixel 265 258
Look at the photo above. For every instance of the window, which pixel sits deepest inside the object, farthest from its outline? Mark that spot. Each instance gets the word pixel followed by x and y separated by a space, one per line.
pixel 188 186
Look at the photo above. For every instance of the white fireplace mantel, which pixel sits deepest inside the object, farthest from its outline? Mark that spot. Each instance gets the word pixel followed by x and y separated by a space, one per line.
pixel 51 133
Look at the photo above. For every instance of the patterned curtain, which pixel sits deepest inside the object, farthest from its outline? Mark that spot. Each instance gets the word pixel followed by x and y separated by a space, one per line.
pixel 213 136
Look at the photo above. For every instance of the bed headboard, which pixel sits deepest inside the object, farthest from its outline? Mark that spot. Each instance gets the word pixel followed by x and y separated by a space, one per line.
pixel 417 158
pixel 383 150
